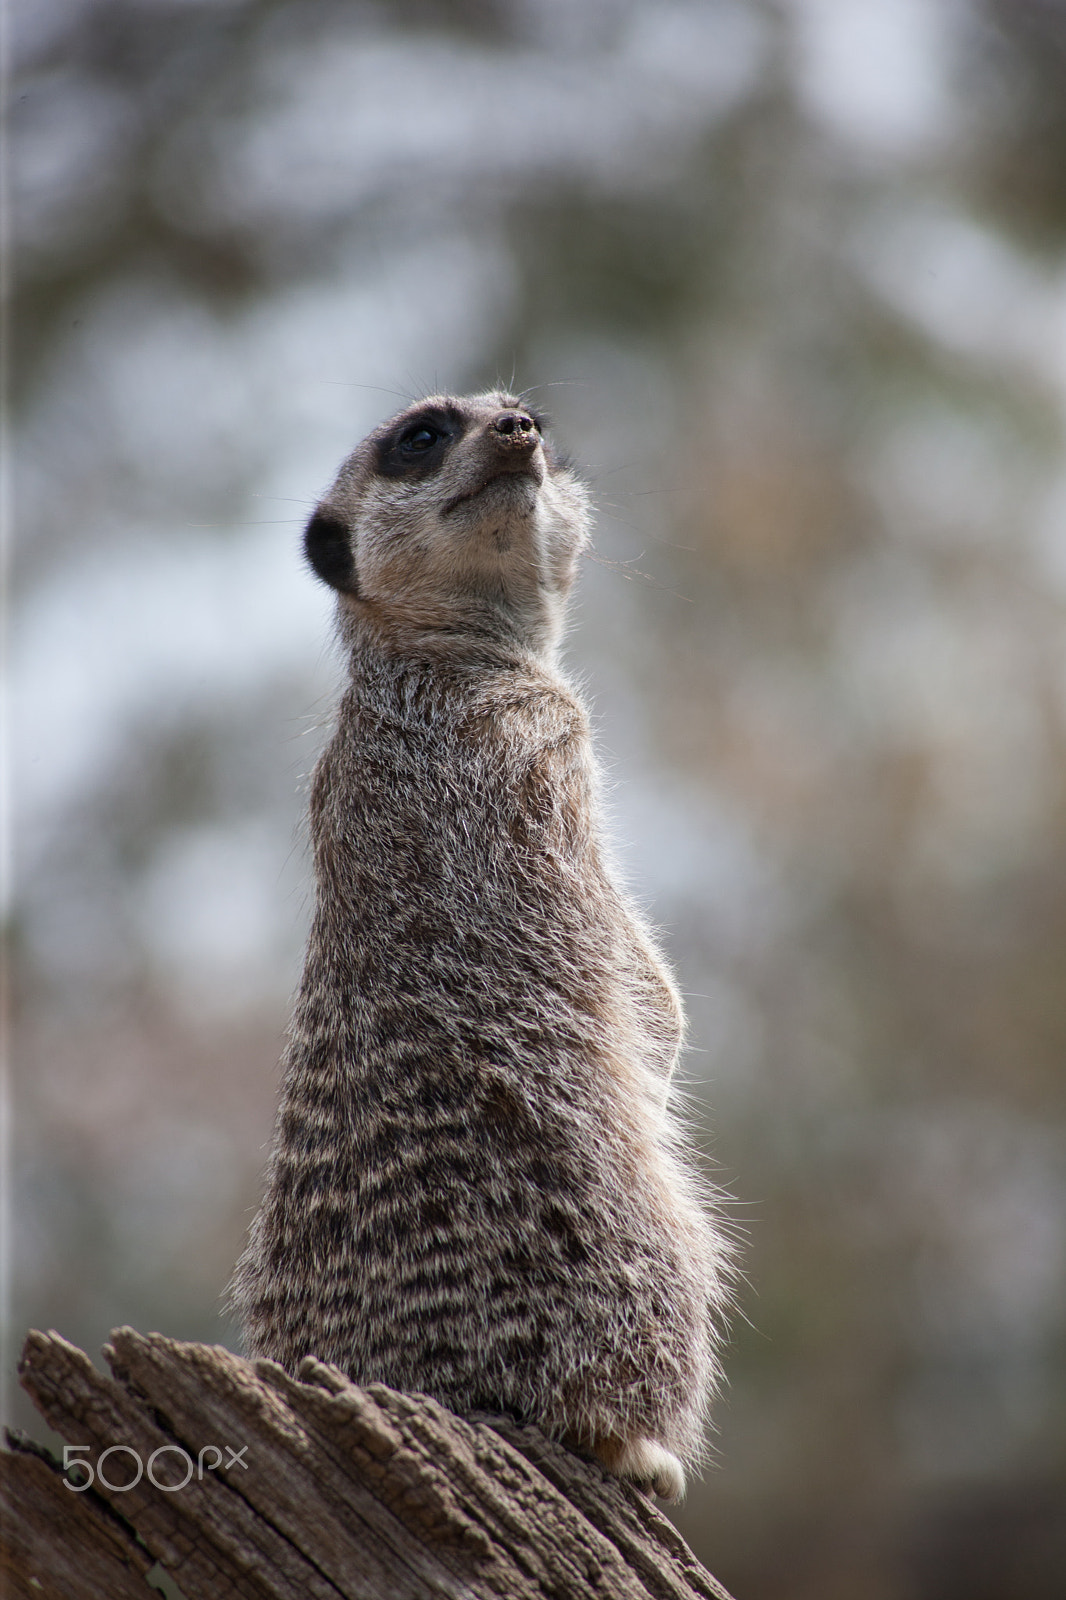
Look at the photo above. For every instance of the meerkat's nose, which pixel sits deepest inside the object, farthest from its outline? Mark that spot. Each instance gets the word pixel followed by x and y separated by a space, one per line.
pixel 514 430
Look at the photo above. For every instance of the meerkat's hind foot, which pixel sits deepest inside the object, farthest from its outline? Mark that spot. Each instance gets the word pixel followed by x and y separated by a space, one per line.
pixel 646 1463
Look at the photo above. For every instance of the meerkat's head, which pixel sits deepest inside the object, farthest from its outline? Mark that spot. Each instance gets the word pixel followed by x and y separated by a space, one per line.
pixel 456 516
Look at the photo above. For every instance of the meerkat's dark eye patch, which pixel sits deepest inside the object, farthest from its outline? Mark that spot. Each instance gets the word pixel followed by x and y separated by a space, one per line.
pixel 328 548
pixel 417 444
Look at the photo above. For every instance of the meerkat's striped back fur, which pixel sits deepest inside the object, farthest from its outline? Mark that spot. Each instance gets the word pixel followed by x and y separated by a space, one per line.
pixel 477 1188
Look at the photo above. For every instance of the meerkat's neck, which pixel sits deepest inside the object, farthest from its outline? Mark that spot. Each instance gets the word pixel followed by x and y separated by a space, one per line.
pixel 474 634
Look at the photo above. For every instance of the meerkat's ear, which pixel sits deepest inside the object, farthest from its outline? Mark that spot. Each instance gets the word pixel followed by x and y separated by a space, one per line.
pixel 328 547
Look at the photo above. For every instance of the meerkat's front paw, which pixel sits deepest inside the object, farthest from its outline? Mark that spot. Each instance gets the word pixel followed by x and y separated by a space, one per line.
pixel 646 1463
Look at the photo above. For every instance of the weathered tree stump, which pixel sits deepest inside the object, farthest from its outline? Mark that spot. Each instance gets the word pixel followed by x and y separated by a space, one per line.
pixel 239 1480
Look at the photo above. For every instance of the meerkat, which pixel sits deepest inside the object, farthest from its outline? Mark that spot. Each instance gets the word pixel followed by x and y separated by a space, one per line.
pixel 478 1187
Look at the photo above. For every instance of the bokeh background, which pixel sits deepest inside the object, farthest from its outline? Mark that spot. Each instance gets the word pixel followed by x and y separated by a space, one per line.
pixel 790 276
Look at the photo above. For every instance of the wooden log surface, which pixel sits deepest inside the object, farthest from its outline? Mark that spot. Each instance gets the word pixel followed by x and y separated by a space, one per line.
pixel 242 1481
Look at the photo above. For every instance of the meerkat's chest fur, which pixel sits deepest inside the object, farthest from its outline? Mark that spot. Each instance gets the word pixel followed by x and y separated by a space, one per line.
pixel 462 888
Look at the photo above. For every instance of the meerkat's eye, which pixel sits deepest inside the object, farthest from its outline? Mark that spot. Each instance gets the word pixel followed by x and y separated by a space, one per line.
pixel 420 439
pixel 416 446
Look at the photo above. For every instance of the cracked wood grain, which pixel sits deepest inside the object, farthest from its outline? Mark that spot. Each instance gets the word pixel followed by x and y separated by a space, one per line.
pixel 100 1556
pixel 310 1486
